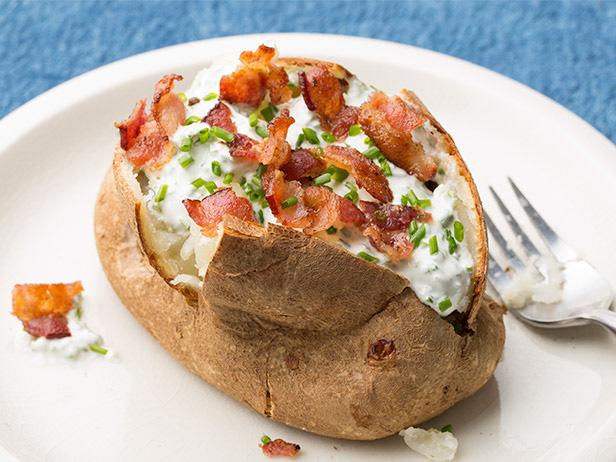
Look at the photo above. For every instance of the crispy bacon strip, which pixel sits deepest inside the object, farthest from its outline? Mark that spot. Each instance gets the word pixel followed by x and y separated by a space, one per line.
pixel 152 147
pixel 129 128
pixel 277 190
pixel 50 326
pixel 167 107
pixel 302 164
pixel 389 123
pixel 31 301
pixel 366 173
pixel 275 150
pixel 323 94
pixel 279 447
pixel 220 116
pixel 248 84
pixel 244 146
pixel 210 211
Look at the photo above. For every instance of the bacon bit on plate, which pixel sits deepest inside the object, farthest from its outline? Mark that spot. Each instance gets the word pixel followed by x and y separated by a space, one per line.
pixel 366 173
pixel 244 146
pixel 210 211
pixel 31 301
pixel 50 327
pixel 275 150
pixel 323 93
pixel 167 107
pixel 389 123
pixel 280 447
pixel 259 74
pixel 129 128
pixel 220 116
pixel 303 164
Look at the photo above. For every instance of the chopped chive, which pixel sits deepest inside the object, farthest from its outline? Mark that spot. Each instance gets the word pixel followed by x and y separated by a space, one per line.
pixel 385 167
pixel 338 174
pixel 253 119
pixel 199 182
pixel 430 300
pixel 413 227
pixel 433 243
pixel 187 145
pixel 444 304
pixel 242 181
pixel 222 134
pixel 228 178
pixel 441 171
pixel 366 256
pixel 458 231
pixel 262 131
pixel 192 120
pixel 210 186
pixel 372 153
pixel 261 170
pixel 453 245
pixel 269 112
pixel 418 234
pixel 368 141
pixel 289 202
pixel 310 135
pixel 204 135
pixel 318 151
pixel 331 230
pixel 210 96
pixel 323 179
pixel 256 180
pixel 160 195
pixel 78 312
pixel 352 195
pixel 186 160
pixel 182 96
pixel 216 168
pixel 405 200
pixel 469 269
pixel 300 140
pixel 265 439
pixel 447 428
pixel 354 130
pixel 416 202
pixel 98 349
pixel 295 89
pixel 328 137
pixel 260 216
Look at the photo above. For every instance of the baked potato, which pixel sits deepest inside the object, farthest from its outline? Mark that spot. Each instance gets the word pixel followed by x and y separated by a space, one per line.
pixel 335 291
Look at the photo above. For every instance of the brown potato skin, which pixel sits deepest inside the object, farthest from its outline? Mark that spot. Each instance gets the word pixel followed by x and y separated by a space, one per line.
pixel 319 380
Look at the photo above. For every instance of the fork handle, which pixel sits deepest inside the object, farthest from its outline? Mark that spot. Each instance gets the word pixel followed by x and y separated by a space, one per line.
pixel 606 318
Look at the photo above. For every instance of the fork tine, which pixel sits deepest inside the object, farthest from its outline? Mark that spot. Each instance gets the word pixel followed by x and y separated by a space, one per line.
pixel 498 277
pixel 559 248
pixel 514 260
pixel 515 227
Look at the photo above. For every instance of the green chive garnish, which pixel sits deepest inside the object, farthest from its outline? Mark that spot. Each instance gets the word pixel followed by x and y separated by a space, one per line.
pixel 447 428
pixel 416 202
pixel 242 181
pixel 458 231
pixel 186 160
pixel 216 168
pixel 187 145
pixel 323 179
pixel 256 180
pixel 354 130
pixel 385 167
pixel 199 182
pixel 441 171
pixel 295 89
pixel 182 96
pixel 269 112
pixel 444 304
pixel 228 178
pixel 453 245
pixel 418 234
pixel 338 174
pixel 300 140
pixel 368 141
pixel 261 170
pixel 265 439
pixel 222 134
pixel 204 135
pixel 310 135
pixel 260 216
pixel 366 256
pixel 289 202
pixel 192 120
pixel 253 119
pixel 98 349
pixel 160 195
pixel 328 137
pixel 78 312
pixel 433 242
pixel 262 131
pixel 331 230
pixel 352 195
pixel 210 96
pixel 372 153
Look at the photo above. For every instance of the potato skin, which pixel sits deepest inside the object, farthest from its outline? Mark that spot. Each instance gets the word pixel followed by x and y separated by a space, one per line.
pixel 319 380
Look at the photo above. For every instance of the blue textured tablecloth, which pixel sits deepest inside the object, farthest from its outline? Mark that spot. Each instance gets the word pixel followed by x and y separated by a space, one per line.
pixel 566 50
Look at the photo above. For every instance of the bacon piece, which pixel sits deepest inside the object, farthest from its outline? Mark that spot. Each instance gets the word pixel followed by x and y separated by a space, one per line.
pixel 302 164
pixel 210 211
pixel 389 123
pixel 220 116
pixel 50 326
pixel 245 147
pixel 167 107
pixel 277 190
pixel 129 128
pixel 259 74
pixel 366 173
pixel 275 150
pixel 152 147
pixel 323 93
pixel 31 301
pixel 279 447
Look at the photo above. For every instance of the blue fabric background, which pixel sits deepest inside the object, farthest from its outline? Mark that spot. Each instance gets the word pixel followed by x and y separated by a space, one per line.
pixel 566 50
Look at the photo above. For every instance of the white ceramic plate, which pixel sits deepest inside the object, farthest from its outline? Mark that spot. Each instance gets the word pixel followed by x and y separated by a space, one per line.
pixel 554 393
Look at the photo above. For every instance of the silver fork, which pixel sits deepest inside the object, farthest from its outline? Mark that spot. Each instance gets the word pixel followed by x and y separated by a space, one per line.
pixel 586 295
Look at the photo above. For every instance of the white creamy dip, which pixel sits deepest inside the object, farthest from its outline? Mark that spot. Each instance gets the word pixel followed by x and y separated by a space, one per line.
pixel 440 279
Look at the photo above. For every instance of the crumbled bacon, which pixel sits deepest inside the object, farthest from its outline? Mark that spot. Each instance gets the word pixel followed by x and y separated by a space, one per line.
pixel 302 164
pixel 210 211
pixel 277 190
pixel 366 173
pixel 323 93
pixel 244 146
pixel 275 150
pixel 31 301
pixel 50 326
pixel 248 84
pixel 389 123
pixel 220 116
pixel 167 107
pixel 279 447
pixel 152 147
pixel 129 128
